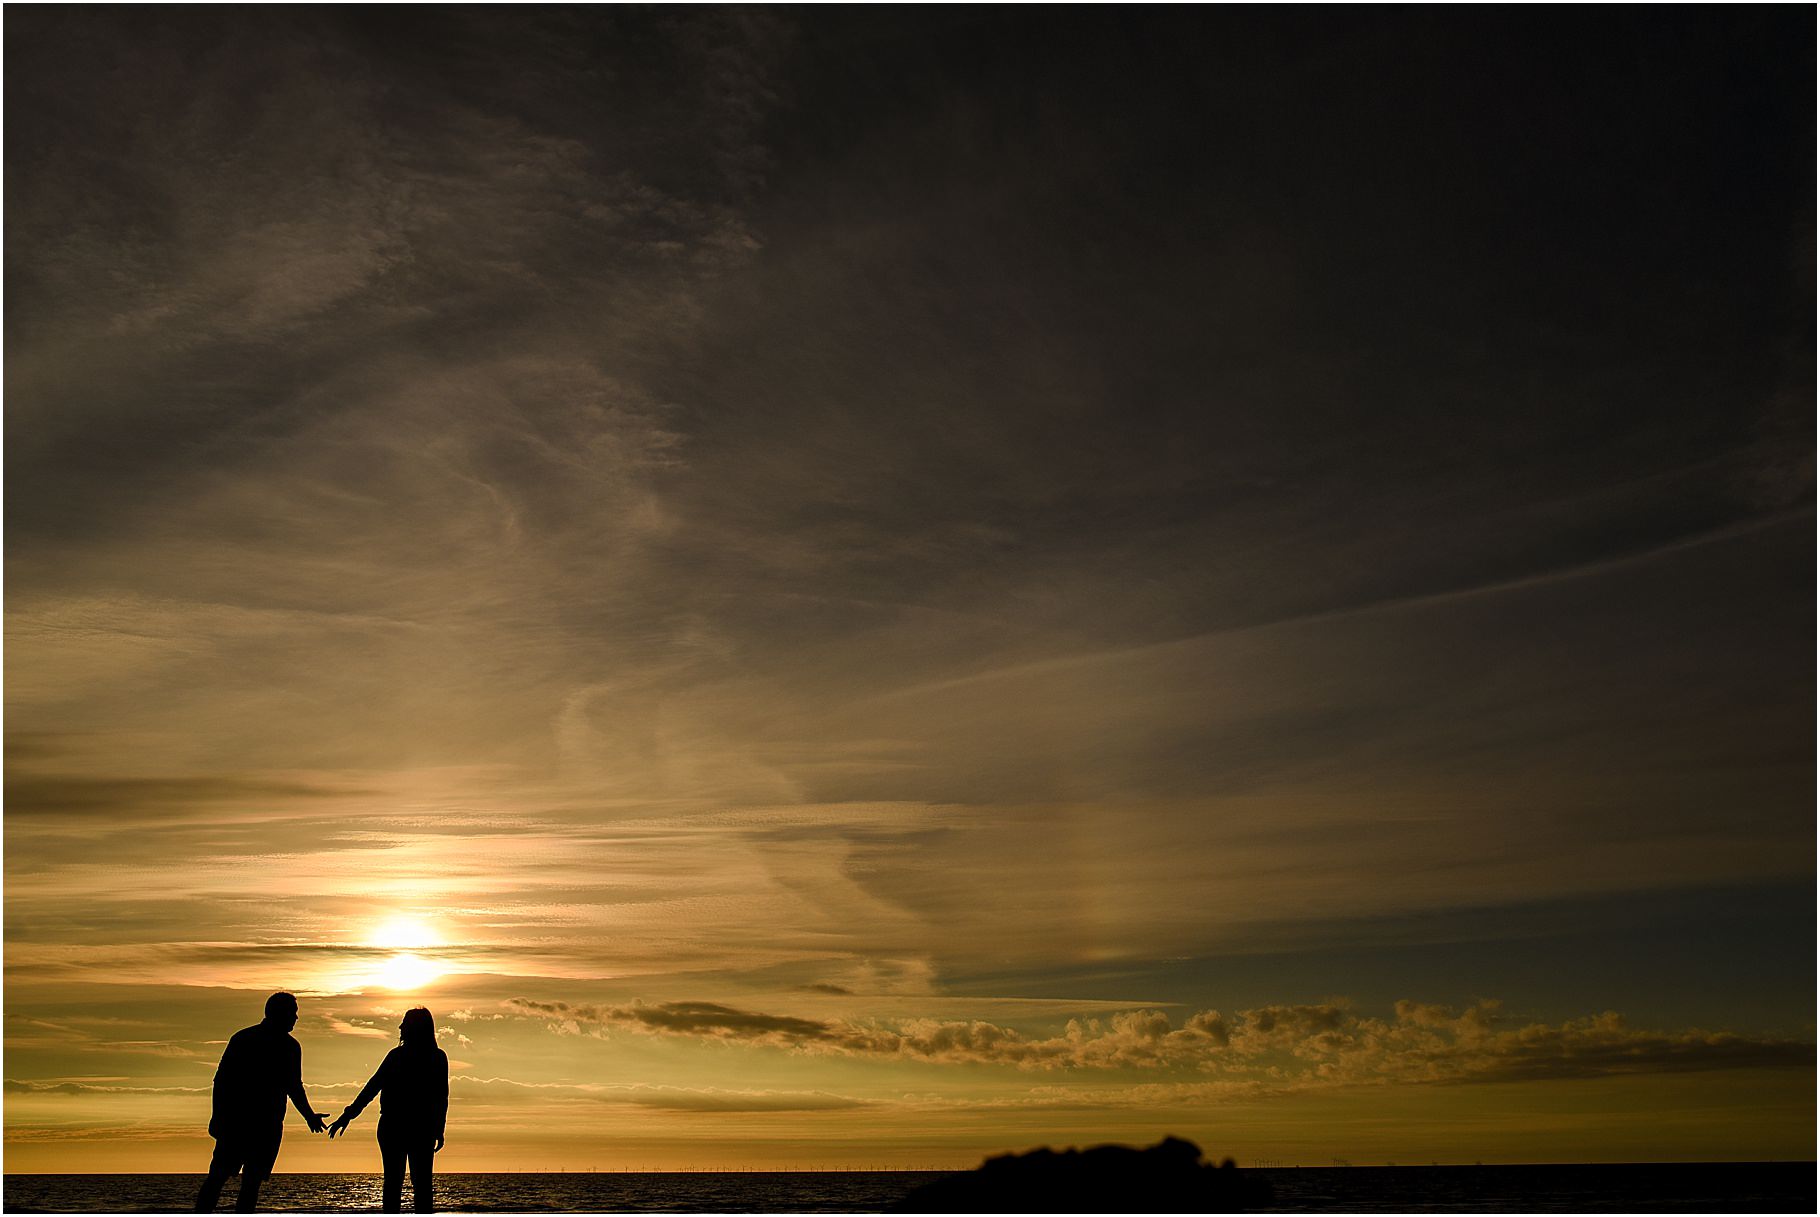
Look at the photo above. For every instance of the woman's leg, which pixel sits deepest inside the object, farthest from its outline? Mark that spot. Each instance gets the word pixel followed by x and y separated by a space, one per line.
pixel 392 1159
pixel 423 1181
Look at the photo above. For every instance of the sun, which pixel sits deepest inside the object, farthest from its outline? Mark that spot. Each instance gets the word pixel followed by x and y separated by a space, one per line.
pixel 405 968
pixel 404 934
pixel 404 972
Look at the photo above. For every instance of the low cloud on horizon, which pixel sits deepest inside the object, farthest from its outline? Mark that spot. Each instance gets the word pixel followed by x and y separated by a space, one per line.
pixel 1329 1044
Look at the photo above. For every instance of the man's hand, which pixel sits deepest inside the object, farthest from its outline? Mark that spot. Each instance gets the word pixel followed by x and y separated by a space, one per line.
pixel 316 1120
pixel 438 1148
pixel 339 1126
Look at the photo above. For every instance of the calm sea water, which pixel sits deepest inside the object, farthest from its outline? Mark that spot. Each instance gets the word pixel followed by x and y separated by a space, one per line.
pixel 1678 1188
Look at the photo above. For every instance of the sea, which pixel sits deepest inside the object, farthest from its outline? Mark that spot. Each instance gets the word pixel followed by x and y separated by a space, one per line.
pixel 1776 1187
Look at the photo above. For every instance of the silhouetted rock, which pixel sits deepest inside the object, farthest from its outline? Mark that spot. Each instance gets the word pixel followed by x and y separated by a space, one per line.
pixel 1168 1177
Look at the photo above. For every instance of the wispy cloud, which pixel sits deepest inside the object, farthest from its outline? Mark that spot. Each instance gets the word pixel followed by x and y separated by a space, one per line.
pixel 360 1028
pixel 120 799
pixel 659 1097
pixel 90 1088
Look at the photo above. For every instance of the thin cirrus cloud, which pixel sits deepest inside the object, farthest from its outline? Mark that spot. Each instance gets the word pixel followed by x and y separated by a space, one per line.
pixel 491 1090
pixel 659 1097
pixel 624 586
pixel 125 798
pixel 90 1088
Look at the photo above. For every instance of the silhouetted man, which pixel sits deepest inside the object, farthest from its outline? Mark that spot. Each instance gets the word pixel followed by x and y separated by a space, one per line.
pixel 262 1067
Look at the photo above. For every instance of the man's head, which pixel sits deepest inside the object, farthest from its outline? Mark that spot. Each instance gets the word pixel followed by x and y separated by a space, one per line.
pixel 281 1011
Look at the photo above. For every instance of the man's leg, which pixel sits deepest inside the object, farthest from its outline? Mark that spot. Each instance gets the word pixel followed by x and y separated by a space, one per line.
pixel 423 1178
pixel 222 1166
pixel 260 1158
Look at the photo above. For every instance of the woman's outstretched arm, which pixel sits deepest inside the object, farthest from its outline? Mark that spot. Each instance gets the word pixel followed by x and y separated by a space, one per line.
pixel 367 1094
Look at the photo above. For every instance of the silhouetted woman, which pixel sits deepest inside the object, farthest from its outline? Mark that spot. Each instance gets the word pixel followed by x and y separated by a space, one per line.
pixel 413 1089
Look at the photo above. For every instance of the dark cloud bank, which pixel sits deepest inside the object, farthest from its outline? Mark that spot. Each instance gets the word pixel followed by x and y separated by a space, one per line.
pixel 1329 1044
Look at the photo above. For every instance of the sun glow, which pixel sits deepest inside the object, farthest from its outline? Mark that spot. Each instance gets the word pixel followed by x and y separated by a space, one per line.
pixel 410 946
pixel 406 972
pixel 404 934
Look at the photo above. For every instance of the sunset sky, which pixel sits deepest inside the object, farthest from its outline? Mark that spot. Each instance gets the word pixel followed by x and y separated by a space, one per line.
pixel 875 586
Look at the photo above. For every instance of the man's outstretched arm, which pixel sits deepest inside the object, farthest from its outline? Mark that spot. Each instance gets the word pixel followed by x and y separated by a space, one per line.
pixel 299 1099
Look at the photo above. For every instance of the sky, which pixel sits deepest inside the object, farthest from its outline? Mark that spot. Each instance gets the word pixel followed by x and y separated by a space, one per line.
pixel 873 586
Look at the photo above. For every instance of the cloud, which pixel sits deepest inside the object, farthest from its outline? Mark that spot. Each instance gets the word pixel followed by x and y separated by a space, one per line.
pixel 1130 1039
pixel 659 1097
pixel 101 1132
pixel 127 797
pixel 17 1086
pixel 1145 1096
pixel 73 1034
pixel 1325 1044
pixel 357 1027
pixel 1464 1049
pixel 706 1019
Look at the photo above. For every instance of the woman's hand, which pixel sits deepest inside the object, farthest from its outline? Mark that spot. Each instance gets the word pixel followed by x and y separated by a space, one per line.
pixel 340 1125
pixel 438 1148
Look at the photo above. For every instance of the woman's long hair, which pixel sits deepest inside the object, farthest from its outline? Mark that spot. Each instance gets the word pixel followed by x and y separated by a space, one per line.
pixel 417 1027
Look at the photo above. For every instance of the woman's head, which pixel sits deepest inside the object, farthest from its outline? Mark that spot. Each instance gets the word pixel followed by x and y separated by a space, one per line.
pixel 417 1027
